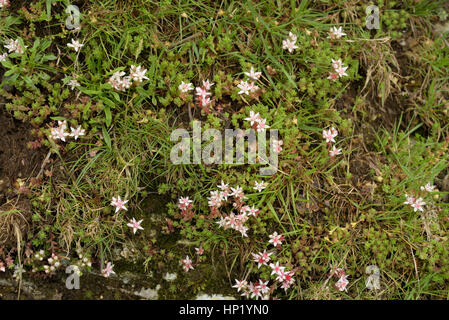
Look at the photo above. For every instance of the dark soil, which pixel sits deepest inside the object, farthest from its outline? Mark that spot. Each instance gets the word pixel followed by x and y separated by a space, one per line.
pixel 16 159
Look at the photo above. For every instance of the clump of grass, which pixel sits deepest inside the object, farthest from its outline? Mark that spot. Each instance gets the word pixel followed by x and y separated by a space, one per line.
pixel 346 211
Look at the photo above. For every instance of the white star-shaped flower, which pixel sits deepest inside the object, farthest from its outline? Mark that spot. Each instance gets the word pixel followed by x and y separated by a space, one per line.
pixel 77 132
pixel 336 33
pixel 259 186
pixel 138 73
pixel 244 87
pixel 185 87
pixel 76 45
pixel 253 75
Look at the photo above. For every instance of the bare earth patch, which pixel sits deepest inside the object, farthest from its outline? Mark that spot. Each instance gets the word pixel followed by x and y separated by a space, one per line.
pixel 18 164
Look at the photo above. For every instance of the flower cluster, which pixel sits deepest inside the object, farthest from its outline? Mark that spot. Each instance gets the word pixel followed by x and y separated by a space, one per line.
pixel 257 122
pixel 290 43
pixel 203 95
pixel 428 187
pixel 231 221
pixel 216 198
pixel 262 258
pixel 342 282
pixel 236 222
pixel 329 136
pixel 120 82
pixel 39 255
pixel 83 262
pixel 59 133
pixel 248 86
pixel 53 264
pixel 338 70
pixel 416 203
pixel 4 3
pixel 260 289
pixel 285 278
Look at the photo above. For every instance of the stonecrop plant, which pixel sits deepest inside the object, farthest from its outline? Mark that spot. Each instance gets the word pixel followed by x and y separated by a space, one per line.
pixel 356 118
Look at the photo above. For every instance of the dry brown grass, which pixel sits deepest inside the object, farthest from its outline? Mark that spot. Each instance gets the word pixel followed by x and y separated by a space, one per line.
pixel 14 217
pixel 382 69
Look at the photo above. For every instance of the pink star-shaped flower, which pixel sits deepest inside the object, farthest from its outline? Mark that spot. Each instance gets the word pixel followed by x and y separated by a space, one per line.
pixel 276 239
pixel 135 225
pixel 118 204
pixel 107 271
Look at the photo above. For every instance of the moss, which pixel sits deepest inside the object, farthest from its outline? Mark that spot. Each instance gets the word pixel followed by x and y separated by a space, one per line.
pixel 88 294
